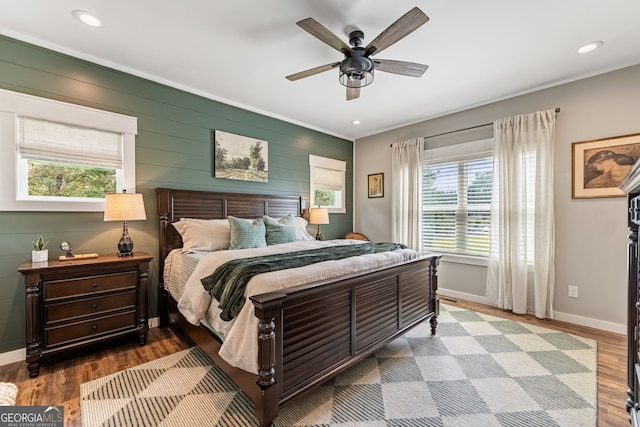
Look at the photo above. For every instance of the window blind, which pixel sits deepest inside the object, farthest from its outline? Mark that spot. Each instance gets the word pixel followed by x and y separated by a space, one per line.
pixel 457 199
pixel 62 143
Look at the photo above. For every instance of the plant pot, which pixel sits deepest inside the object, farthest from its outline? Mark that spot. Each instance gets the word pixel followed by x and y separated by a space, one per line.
pixel 40 256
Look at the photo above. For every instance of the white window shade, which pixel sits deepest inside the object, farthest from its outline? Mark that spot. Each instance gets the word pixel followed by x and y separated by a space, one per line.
pixel 329 179
pixel 57 142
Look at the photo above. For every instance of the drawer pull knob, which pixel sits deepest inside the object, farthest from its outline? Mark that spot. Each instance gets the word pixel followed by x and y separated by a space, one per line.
pixel 94 305
pixel 94 285
pixel 94 327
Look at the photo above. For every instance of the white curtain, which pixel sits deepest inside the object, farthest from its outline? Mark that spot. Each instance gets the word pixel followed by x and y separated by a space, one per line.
pixel 522 217
pixel 406 195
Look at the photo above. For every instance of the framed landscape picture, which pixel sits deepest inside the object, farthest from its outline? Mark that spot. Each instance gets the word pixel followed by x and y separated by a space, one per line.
pixel 240 157
pixel 599 166
pixel 375 185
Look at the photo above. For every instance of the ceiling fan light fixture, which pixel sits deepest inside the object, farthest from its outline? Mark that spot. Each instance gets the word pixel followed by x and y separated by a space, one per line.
pixel 356 72
pixel 356 79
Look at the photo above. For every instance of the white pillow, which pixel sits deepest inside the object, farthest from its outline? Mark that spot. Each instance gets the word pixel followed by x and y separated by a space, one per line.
pixel 301 229
pixel 203 235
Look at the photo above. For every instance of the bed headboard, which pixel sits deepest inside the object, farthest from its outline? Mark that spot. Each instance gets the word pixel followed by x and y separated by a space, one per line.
pixel 174 204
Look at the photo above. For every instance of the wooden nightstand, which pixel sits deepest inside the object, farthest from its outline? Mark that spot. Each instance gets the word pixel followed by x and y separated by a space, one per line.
pixel 80 302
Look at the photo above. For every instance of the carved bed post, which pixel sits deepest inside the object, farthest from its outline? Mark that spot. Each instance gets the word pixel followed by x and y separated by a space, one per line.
pixel 269 351
pixel 633 215
pixel 433 277
pixel 163 216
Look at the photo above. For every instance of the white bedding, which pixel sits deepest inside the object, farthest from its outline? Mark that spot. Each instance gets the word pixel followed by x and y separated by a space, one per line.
pixel 178 267
pixel 240 348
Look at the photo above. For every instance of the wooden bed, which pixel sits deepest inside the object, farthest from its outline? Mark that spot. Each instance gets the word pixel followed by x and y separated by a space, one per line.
pixel 308 333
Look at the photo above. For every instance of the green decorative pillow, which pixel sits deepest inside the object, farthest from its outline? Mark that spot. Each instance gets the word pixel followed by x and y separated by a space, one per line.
pixel 247 234
pixel 281 230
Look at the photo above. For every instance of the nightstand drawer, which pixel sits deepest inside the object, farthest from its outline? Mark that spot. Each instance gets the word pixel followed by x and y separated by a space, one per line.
pixel 57 289
pixel 89 306
pixel 84 330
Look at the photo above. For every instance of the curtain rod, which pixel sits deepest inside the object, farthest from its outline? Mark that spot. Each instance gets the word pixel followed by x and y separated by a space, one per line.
pixel 557 110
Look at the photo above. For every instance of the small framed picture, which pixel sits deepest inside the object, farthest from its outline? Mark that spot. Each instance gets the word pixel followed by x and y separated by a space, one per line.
pixel 375 185
pixel 600 166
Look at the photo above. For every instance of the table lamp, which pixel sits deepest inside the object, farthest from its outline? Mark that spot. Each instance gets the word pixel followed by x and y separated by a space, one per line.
pixel 319 216
pixel 124 207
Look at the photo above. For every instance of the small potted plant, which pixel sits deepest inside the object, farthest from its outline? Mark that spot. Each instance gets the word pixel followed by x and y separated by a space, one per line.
pixel 40 253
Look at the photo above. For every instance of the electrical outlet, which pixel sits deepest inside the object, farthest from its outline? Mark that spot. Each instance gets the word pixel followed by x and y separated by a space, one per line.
pixel 573 291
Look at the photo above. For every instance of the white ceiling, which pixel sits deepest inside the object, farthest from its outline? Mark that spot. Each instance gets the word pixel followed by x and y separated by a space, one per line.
pixel 239 52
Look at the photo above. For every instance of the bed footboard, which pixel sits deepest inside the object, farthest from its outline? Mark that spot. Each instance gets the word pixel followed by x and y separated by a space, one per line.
pixel 310 333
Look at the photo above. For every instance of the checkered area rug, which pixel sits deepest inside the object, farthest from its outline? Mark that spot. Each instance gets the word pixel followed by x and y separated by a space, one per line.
pixel 478 370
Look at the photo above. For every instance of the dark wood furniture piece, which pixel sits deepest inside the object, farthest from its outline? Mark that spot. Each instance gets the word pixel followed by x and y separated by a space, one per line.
pixel 80 302
pixel 309 333
pixel 633 310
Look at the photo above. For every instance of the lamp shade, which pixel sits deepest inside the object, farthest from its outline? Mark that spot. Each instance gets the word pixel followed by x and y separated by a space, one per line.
pixel 319 216
pixel 124 207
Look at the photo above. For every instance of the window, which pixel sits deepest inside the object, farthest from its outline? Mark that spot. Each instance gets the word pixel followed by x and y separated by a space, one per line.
pixel 327 183
pixel 457 182
pixel 62 157
pixel 63 161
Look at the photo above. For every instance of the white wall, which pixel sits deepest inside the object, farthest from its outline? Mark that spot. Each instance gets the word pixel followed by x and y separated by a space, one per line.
pixel 591 242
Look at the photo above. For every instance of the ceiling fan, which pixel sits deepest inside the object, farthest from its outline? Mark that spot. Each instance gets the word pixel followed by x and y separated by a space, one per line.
pixel 357 67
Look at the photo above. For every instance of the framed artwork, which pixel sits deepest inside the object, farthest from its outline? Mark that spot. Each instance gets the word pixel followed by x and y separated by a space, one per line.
pixel 240 157
pixel 375 185
pixel 599 166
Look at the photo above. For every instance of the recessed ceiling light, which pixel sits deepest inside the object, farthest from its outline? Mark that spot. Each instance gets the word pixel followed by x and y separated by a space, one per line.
pixel 87 18
pixel 355 122
pixel 590 47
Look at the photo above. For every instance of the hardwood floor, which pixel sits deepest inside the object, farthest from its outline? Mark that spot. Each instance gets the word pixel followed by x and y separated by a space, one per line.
pixel 61 375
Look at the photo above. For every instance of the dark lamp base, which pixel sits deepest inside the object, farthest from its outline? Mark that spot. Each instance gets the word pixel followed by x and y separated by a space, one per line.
pixel 125 246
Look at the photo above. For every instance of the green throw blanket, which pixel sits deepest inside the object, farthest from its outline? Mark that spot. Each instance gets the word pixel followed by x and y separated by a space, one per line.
pixel 228 282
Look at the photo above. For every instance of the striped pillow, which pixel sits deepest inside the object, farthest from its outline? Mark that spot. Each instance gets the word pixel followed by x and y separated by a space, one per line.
pixel 247 234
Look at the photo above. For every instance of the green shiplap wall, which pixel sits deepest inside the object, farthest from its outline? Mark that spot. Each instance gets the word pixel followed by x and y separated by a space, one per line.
pixel 173 149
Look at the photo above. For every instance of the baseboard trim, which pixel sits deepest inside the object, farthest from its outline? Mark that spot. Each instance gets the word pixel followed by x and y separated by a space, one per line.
pixel 590 322
pixel 563 317
pixel 20 354
pixel 13 356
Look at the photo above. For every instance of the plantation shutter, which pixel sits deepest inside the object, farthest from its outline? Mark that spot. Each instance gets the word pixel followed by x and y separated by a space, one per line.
pixel 62 143
pixel 457 198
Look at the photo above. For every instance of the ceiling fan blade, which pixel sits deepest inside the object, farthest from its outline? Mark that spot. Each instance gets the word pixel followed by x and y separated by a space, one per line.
pixel 316 29
pixel 410 69
pixel 404 26
pixel 312 71
pixel 353 92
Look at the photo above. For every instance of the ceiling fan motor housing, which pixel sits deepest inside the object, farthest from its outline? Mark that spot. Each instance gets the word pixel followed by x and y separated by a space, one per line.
pixel 356 70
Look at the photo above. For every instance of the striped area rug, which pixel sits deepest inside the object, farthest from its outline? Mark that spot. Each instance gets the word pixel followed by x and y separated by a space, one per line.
pixel 479 370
